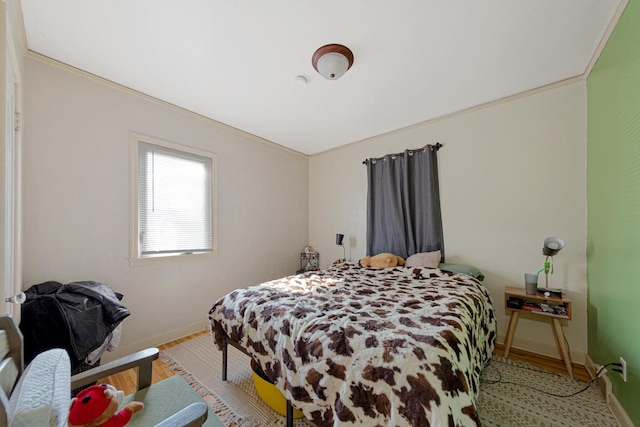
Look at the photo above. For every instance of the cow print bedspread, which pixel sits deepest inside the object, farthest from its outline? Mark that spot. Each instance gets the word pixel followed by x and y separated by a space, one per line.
pixel 360 346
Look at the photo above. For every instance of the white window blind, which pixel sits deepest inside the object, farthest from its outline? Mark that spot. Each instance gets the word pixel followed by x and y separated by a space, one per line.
pixel 175 201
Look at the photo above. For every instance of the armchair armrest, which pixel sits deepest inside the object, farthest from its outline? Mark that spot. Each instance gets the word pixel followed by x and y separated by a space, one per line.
pixel 142 360
pixel 191 416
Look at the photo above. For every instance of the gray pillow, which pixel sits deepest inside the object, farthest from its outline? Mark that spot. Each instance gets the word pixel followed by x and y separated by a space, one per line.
pixel 469 270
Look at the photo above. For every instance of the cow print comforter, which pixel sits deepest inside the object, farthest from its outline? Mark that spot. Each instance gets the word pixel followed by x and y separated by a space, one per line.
pixel 360 346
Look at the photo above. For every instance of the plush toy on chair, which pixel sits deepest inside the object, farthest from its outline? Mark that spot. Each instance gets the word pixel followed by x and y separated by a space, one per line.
pixel 97 405
pixel 384 260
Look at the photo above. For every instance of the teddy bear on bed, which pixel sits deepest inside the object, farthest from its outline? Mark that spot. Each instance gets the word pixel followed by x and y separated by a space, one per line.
pixel 96 406
pixel 383 260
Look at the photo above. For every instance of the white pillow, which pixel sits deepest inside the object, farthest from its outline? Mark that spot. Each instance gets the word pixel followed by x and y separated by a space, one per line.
pixel 424 259
pixel 42 395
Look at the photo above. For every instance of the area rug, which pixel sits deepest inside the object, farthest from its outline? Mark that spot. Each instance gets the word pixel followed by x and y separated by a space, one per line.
pixel 512 393
pixel 234 401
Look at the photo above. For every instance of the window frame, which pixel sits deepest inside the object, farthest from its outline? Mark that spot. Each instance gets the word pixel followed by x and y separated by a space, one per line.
pixel 135 258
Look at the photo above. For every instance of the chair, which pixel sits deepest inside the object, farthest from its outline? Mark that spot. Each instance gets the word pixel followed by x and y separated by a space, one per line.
pixel 40 394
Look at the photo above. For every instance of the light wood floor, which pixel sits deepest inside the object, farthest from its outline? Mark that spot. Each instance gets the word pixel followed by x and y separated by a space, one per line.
pixel 126 381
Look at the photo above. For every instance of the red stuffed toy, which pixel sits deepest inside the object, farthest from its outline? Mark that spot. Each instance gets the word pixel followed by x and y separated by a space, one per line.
pixel 96 406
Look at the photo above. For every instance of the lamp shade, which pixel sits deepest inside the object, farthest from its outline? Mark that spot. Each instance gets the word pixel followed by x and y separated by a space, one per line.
pixel 339 238
pixel 331 61
pixel 552 245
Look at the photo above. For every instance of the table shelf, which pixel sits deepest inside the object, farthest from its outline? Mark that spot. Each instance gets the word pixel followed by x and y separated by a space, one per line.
pixel 511 294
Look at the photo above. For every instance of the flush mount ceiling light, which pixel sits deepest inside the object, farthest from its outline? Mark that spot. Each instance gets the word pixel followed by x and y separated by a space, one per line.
pixel 332 61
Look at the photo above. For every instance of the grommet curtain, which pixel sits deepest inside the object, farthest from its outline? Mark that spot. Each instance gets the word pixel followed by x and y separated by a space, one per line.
pixel 403 203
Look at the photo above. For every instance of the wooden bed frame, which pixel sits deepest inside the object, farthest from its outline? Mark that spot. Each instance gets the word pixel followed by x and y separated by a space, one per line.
pixel 226 342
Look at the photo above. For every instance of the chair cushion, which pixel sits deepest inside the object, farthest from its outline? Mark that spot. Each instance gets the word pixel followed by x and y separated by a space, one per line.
pixel 41 397
pixel 164 399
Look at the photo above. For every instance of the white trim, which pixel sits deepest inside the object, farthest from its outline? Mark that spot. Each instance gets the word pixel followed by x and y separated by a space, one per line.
pixel 619 412
pixel 605 37
pixel 473 109
pixel 140 262
pixel 9 188
pixel 6 169
pixel 604 384
pixel 44 59
pixel 135 259
pixel 13 58
pixel 12 62
pixel 155 341
pixel 10 182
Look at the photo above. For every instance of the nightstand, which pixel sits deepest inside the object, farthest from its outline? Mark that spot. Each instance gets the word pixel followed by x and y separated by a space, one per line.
pixel 555 308
pixel 309 261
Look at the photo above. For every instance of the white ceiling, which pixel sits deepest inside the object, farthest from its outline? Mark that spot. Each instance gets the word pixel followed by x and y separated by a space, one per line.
pixel 236 61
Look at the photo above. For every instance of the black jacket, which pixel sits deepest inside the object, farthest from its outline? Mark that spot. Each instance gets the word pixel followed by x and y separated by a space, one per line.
pixel 78 317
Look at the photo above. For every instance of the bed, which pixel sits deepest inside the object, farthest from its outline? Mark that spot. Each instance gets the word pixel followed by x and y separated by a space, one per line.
pixel 351 345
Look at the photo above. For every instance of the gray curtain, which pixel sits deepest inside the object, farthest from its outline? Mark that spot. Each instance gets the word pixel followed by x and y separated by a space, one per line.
pixel 403 203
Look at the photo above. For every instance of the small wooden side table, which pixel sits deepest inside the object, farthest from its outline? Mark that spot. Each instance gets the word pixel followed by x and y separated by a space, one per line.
pixel 511 292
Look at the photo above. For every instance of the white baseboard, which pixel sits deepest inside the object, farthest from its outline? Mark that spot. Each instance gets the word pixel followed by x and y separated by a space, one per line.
pixel 619 412
pixel 154 342
pixel 604 384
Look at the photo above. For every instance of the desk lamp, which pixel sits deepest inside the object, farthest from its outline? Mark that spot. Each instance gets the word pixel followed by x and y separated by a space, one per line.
pixel 339 238
pixel 552 245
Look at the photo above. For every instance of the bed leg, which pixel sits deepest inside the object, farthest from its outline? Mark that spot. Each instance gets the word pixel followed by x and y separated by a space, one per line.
pixel 289 414
pixel 224 360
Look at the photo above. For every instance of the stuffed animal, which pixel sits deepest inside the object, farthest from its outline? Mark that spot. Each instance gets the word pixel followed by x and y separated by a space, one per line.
pixel 384 260
pixel 97 405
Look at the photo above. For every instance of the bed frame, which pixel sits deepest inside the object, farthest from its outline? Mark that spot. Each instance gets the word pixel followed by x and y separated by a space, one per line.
pixel 228 341
pixel 473 331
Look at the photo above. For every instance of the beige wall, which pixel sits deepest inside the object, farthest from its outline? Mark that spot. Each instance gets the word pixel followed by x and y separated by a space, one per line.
pixel 76 201
pixel 510 175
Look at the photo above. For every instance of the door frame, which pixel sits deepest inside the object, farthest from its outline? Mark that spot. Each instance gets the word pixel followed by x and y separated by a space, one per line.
pixel 10 169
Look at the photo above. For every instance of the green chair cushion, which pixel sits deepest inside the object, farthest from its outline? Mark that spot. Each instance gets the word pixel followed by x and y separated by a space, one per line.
pixel 165 398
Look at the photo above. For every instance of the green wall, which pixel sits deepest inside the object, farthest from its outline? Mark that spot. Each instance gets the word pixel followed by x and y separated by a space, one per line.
pixel 613 207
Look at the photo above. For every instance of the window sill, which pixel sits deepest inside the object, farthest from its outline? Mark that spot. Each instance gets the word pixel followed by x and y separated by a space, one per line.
pixel 167 259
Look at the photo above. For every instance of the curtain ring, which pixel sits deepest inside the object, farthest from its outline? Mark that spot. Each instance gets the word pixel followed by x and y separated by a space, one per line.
pixel 411 153
pixel 393 157
pixel 373 161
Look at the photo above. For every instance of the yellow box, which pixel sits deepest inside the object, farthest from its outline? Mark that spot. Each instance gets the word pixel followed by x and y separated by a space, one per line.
pixel 270 394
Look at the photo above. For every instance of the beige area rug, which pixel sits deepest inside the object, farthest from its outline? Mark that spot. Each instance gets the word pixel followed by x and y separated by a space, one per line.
pixel 500 403
pixel 513 393
pixel 235 401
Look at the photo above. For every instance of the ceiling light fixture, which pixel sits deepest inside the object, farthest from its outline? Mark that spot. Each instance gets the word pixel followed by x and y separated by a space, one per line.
pixel 332 61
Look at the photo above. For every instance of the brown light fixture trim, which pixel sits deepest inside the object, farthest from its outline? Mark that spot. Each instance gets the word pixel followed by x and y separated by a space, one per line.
pixel 332 48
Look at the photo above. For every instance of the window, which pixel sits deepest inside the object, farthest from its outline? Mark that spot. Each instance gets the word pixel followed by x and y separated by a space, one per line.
pixel 174 200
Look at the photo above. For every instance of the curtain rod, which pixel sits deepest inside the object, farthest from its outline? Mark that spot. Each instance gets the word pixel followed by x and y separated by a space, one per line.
pixel 437 147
